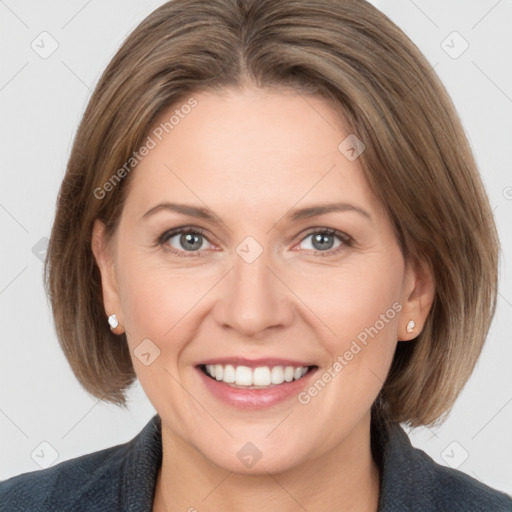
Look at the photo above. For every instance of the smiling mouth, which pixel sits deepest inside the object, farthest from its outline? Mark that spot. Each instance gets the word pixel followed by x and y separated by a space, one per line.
pixel 262 377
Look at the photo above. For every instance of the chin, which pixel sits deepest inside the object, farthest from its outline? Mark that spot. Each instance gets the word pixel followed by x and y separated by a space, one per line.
pixel 247 458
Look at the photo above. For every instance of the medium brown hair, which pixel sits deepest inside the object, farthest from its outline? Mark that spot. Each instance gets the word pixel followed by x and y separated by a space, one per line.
pixel 417 160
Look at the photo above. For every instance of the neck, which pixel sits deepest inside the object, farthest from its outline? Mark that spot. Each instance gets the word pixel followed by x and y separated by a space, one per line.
pixel 344 478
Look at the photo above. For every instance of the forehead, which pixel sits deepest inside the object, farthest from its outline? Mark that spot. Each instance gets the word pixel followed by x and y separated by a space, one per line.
pixel 256 147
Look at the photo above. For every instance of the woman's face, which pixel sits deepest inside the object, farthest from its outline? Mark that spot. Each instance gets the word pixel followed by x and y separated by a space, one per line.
pixel 260 281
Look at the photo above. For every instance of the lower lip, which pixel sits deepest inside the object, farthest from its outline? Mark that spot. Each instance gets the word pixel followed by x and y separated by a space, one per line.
pixel 255 398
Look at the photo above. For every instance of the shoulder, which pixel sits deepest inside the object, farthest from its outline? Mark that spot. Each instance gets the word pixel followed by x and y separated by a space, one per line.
pixel 72 478
pixel 454 489
pixel 121 477
pixel 413 481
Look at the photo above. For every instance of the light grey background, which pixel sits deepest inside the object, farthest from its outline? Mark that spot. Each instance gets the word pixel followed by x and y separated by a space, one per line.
pixel 42 100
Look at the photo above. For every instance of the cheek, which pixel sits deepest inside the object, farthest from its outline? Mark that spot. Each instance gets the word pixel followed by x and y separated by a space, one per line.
pixel 354 295
pixel 163 304
pixel 360 305
pixel 158 305
pixel 155 299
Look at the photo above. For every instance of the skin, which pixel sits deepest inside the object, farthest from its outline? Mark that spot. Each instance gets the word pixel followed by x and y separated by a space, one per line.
pixel 251 156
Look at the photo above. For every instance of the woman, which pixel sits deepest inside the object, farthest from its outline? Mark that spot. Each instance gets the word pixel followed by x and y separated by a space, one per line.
pixel 271 217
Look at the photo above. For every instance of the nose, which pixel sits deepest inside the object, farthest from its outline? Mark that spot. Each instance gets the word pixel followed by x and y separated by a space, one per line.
pixel 253 298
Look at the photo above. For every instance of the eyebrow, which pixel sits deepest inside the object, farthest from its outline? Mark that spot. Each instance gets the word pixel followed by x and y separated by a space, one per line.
pixel 293 215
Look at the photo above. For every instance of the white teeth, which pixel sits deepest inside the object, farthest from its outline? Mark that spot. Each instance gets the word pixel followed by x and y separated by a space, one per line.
pixel 229 374
pixel 277 375
pixel 262 376
pixel 288 374
pixel 243 376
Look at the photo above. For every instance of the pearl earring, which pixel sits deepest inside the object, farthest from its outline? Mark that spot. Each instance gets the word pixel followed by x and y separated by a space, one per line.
pixel 410 326
pixel 112 320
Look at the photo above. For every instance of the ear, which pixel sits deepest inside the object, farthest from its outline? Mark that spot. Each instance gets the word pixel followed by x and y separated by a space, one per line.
pixel 417 298
pixel 104 257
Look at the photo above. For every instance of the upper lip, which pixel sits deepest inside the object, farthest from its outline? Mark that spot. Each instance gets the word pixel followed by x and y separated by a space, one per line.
pixel 254 363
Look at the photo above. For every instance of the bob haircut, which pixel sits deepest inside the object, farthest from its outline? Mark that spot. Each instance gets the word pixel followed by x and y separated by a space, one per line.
pixel 417 160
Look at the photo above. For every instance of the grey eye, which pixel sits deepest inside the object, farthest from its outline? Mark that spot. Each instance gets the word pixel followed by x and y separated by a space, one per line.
pixel 188 241
pixel 321 241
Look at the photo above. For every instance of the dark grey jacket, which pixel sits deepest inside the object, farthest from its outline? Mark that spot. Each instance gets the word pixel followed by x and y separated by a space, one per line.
pixel 123 477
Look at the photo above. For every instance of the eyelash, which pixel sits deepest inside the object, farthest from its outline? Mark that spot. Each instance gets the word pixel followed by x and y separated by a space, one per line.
pixel 347 241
